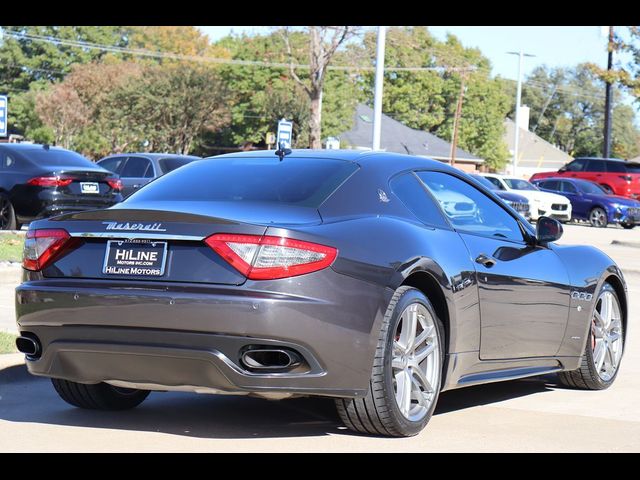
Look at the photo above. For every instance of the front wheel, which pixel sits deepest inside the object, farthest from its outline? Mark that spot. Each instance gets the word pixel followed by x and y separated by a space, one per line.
pixel 603 352
pixel 407 371
pixel 7 214
pixel 598 218
pixel 99 396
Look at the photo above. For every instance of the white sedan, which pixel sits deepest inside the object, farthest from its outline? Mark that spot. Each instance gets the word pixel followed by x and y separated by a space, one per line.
pixel 542 203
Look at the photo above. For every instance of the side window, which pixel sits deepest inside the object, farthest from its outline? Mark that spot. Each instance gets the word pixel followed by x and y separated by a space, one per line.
pixel 616 167
pixel 550 185
pixel 413 195
pixel 137 167
pixel 468 209
pixel 577 165
pixel 113 164
pixel 496 182
pixel 596 166
pixel 568 187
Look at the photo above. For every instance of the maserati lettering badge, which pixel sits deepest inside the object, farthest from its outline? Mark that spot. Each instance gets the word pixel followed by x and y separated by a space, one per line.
pixel 138 227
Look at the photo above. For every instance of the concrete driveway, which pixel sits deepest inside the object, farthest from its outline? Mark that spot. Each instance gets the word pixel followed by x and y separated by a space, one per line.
pixel 533 415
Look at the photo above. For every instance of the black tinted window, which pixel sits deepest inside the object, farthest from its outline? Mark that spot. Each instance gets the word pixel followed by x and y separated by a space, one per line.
pixel 54 157
pixel 616 167
pixel 297 181
pixel 496 182
pixel 169 164
pixel 112 164
pixel 549 185
pixel 8 161
pixel 596 166
pixel 137 167
pixel 632 167
pixel 568 187
pixel 470 210
pixel 408 189
pixel 577 165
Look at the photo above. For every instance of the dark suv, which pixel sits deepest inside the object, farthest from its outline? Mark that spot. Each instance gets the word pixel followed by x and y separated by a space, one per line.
pixel 38 181
pixel 138 169
pixel 616 176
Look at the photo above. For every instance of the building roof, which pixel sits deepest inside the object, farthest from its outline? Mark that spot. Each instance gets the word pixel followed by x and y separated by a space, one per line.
pixel 534 151
pixel 397 137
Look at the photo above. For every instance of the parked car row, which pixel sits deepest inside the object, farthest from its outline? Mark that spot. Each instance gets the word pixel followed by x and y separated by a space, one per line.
pixel 40 181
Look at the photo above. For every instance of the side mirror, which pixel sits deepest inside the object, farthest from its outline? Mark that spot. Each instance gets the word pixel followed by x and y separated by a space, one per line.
pixel 548 230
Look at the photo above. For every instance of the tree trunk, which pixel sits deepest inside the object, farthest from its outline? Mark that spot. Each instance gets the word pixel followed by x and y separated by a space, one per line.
pixel 315 120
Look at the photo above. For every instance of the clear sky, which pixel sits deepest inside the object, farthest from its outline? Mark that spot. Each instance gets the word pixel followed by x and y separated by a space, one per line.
pixel 553 46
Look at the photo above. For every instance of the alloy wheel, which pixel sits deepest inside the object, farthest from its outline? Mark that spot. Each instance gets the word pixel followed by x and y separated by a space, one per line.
pixel 598 217
pixel 606 336
pixel 5 213
pixel 415 362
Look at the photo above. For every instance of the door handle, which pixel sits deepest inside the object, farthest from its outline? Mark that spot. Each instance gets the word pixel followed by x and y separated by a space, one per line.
pixel 486 260
pixel 137 185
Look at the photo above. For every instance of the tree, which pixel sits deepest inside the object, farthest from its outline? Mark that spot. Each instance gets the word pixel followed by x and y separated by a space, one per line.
pixel 61 109
pixel 567 109
pixel 253 113
pixel 323 45
pixel 426 99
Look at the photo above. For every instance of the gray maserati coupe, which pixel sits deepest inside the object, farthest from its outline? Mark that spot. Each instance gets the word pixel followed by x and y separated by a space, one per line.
pixel 374 278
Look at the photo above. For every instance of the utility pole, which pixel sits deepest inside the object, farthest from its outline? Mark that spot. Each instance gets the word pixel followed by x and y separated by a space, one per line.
pixel 608 104
pixel 456 118
pixel 377 101
pixel 520 54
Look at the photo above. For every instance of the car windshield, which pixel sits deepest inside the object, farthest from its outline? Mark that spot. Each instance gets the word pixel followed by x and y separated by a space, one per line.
pixel 304 182
pixel 55 158
pixel 519 184
pixel 485 182
pixel 588 187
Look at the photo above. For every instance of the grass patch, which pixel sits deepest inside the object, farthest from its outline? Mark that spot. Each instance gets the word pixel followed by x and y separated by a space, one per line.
pixel 11 247
pixel 8 343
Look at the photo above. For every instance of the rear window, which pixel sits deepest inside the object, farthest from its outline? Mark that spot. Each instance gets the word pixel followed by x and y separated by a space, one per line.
pixel 304 182
pixel 170 164
pixel 56 158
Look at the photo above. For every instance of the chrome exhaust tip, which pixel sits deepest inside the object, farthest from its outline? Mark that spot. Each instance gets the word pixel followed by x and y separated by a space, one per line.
pixel 269 359
pixel 30 346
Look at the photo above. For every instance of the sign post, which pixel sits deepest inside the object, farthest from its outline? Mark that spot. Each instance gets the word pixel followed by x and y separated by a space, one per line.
pixel 285 129
pixel 3 115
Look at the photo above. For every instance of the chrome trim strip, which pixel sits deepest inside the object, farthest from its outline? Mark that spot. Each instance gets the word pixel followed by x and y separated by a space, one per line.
pixel 136 235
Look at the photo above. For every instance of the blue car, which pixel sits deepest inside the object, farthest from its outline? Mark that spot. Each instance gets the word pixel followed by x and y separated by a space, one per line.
pixel 591 202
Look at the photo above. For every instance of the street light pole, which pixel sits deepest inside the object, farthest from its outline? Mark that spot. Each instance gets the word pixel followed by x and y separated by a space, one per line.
pixel 516 142
pixel 377 101
pixel 608 100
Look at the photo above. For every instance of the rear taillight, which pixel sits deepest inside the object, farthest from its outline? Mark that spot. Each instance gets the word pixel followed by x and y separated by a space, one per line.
pixel 267 258
pixel 42 246
pixel 115 184
pixel 53 181
pixel 628 178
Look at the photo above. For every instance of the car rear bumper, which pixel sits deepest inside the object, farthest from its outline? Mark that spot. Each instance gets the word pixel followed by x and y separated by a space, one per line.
pixel 190 337
pixel 49 203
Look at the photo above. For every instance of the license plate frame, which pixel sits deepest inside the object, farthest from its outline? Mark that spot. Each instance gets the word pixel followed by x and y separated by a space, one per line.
pixel 132 264
pixel 92 188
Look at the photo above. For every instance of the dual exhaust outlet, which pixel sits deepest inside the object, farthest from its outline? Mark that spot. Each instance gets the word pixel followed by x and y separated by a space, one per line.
pixel 265 359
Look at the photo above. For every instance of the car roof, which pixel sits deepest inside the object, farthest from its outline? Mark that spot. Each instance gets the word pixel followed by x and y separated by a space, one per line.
pixel 23 147
pixel 601 158
pixel 361 157
pixel 153 155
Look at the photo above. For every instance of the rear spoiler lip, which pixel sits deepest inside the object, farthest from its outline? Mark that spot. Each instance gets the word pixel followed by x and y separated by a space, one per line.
pixel 137 235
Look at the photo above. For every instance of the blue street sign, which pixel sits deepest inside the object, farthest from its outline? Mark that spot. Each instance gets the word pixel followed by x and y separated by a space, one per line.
pixel 3 116
pixel 285 129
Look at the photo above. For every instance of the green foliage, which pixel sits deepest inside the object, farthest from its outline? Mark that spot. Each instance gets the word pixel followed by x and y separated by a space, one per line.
pixel 8 343
pixel 11 247
pixel 567 110
pixel 426 100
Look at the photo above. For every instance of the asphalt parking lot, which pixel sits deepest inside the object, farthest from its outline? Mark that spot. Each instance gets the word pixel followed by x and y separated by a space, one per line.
pixel 532 415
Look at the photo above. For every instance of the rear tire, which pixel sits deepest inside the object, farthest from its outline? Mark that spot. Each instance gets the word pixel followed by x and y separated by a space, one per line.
pixel 601 359
pixel 99 396
pixel 7 214
pixel 378 412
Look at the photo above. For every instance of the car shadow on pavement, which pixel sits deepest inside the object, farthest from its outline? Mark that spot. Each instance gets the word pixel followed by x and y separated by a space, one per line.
pixel 25 398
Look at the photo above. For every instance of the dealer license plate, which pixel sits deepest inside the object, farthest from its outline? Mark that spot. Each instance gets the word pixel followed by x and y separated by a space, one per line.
pixel 135 258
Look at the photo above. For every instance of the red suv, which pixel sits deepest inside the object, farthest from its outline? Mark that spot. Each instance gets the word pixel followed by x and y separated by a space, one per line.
pixel 616 176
